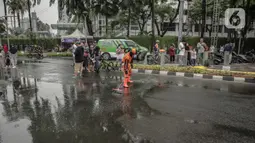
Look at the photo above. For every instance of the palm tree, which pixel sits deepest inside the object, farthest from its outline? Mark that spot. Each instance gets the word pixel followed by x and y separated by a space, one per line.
pixel 5 9
pixel 33 2
pixel 12 7
pixel 17 7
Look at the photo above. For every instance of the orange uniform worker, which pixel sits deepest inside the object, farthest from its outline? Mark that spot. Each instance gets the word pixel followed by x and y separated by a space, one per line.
pixel 127 69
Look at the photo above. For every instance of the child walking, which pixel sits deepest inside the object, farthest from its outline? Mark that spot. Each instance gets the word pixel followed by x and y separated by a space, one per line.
pixel 193 57
pixel 2 58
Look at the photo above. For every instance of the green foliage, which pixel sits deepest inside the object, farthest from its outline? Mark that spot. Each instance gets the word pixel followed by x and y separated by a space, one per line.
pixel 145 41
pixel 46 43
pixel 196 8
pixel 50 54
pixel 197 70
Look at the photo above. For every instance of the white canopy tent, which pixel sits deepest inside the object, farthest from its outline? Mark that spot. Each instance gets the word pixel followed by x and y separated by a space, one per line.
pixel 77 34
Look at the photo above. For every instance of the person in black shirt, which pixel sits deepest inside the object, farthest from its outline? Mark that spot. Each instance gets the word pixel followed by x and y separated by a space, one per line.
pixel 97 55
pixel 79 52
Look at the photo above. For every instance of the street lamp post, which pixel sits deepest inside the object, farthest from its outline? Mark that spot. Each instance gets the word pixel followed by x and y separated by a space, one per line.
pixel 180 21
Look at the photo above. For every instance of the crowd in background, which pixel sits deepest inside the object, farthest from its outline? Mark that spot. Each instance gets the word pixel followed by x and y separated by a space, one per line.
pixel 185 54
pixel 85 57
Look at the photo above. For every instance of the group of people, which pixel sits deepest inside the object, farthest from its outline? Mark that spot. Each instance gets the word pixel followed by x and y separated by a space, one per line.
pixel 85 57
pixel 8 56
pixel 185 54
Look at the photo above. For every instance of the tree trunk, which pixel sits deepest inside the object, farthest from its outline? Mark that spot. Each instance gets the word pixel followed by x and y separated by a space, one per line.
pixel 89 26
pixel 5 10
pixel 106 26
pixel 30 19
pixel 18 15
pixel 157 27
pixel 129 21
pixel 203 17
pixel 14 19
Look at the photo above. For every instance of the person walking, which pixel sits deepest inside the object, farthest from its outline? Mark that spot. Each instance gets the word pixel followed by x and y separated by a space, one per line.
pixel 193 57
pixel 97 55
pixel 86 59
pixel 188 54
pixel 5 47
pixel 172 53
pixel 181 55
pixel 2 58
pixel 201 49
pixel 91 57
pixel 156 50
pixel 78 54
pixel 120 55
pixel 73 50
pixel 228 48
pixel 13 55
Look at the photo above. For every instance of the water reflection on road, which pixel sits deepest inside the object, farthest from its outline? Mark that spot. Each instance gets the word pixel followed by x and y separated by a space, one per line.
pixel 86 111
pixel 41 102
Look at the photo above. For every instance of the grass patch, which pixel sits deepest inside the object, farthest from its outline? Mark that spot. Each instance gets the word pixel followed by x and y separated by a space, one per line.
pixel 195 70
pixel 50 54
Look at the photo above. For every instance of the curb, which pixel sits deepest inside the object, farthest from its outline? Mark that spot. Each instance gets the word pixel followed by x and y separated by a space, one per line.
pixel 195 76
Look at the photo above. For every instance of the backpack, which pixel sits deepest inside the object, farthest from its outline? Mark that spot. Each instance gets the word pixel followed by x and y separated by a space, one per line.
pixel 13 50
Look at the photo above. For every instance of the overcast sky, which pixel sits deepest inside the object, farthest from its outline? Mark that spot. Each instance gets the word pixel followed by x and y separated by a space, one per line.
pixel 45 13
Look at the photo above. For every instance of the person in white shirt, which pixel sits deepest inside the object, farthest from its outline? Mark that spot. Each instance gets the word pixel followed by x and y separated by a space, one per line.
pixel 2 58
pixel 73 50
pixel 181 53
pixel 201 49
pixel 120 54
pixel 193 57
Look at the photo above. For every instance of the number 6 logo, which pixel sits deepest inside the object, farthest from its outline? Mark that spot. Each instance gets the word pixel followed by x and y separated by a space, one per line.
pixel 235 18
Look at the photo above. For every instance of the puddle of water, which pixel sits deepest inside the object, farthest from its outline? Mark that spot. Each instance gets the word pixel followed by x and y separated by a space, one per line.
pixel 53 111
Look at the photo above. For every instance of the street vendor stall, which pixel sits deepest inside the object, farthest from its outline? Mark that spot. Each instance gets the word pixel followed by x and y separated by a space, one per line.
pixel 68 40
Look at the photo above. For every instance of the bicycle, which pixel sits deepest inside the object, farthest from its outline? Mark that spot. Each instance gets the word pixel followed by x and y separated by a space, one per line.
pixel 155 59
pixel 103 65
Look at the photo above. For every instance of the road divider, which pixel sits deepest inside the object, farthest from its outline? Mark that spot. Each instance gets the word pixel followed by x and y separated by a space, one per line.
pixel 195 72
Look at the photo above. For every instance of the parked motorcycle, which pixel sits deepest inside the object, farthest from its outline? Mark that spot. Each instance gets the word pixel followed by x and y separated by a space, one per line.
pixel 240 58
pixel 250 55
pixel 218 58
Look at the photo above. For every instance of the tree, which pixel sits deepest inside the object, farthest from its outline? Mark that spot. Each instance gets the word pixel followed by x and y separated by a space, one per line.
pixel 42 26
pixel 2 25
pixel 107 8
pixel 81 10
pixel 141 13
pixel 249 7
pixel 5 9
pixel 12 7
pixel 165 13
pixel 33 2
pixel 196 8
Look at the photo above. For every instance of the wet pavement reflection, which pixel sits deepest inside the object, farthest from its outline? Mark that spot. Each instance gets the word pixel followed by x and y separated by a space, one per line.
pixel 41 102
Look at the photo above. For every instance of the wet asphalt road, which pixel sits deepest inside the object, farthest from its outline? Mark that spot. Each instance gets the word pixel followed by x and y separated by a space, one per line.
pixel 42 103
